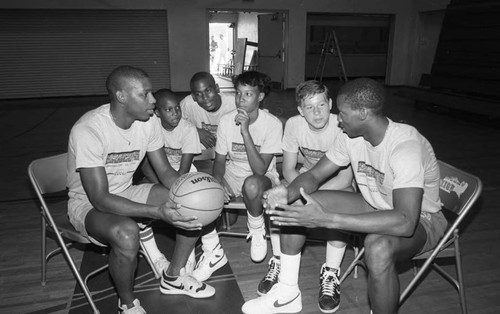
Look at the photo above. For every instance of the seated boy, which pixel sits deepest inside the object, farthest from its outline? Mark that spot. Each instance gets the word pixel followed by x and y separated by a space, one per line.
pixel 311 133
pixel 247 141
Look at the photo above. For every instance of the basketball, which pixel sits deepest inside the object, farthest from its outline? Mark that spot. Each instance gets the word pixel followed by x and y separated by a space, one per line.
pixel 200 195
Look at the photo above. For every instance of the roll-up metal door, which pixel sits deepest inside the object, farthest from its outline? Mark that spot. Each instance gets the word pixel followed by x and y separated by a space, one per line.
pixel 56 53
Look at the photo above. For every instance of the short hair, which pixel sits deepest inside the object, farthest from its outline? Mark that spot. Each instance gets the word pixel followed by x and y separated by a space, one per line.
pixel 115 80
pixel 163 93
pixel 201 76
pixel 364 93
pixel 309 89
pixel 254 78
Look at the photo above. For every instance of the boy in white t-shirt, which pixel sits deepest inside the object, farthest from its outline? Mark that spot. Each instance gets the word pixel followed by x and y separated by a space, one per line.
pixel 311 134
pixel 247 141
pixel 205 106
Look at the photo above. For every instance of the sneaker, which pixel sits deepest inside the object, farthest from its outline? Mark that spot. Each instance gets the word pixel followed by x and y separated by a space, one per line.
pixel 209 262
pixel 271 277
pixel 329 291
pixel 185 284
pixel 258 246
pixel 191 263
pixel 275 301
pixel 136 309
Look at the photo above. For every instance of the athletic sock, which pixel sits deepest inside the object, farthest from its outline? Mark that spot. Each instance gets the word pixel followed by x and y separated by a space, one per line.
pixel 149 243
pixel 290 267
pixel 334 255
pixel 255 222
pixel 275 241
pixel 210 241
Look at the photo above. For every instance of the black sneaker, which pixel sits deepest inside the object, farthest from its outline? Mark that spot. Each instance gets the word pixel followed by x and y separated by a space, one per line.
pixel 271 277
pixel 329 291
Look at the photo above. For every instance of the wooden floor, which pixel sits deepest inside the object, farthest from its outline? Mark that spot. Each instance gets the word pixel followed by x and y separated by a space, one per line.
pixel 32 129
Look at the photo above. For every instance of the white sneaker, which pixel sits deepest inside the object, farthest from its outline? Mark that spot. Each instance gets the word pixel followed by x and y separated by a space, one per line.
pixel 185 284
pixel 275 301
pixel 136 309
pixel 209 262
pixel 191 263
pixel 258 246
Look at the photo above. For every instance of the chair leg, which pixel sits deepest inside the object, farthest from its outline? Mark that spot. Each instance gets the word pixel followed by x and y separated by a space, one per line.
pixel 460 278
pixel 44 252
pixel 357 261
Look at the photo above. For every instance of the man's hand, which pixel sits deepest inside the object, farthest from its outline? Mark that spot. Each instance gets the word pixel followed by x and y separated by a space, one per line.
pixel 275 196
pixel 206 138
pixel 169 213
pixel 310 215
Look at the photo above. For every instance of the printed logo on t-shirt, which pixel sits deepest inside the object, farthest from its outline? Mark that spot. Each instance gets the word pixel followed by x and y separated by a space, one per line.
pixel 240 148
pixel 117 158
pixel 169 151
pixel 312 153
pixel 370 172
pixel 209 127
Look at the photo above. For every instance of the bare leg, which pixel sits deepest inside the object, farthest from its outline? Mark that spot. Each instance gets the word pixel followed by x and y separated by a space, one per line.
pixel 122 235
pixel 253 188
pixel 381 255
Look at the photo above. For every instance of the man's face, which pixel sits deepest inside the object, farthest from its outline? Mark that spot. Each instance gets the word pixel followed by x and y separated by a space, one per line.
pixel 348 118
pixel 206 94
pixel 169 112
pixel 316 111
pixel 138 99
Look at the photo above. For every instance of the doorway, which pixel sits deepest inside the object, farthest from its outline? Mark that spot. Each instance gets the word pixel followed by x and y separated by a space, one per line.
pixel 240 41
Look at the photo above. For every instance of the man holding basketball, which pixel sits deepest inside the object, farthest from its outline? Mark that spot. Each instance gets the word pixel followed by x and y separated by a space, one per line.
pixel 106 146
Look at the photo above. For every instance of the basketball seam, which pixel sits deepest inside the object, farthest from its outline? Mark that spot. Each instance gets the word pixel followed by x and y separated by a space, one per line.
pixel 195 191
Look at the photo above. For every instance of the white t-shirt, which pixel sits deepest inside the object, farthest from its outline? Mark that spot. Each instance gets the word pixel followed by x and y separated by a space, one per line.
pixel 403 159
pixel 266 133
pixel 183 139
pixel 203 119
pixel 95 141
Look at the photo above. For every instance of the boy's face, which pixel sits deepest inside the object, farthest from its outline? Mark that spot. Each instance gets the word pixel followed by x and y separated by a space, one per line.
pixel 206 94
pixel 316 110
pixel 169 112
pixel 248 98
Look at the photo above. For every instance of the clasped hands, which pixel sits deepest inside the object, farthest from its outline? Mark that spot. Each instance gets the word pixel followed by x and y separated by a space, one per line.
pixel 310 215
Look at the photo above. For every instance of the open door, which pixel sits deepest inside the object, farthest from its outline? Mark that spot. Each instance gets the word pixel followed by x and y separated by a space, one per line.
pixel 271 53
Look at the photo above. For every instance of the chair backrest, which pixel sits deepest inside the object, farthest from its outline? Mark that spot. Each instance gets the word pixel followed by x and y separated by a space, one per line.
pixel 48 175
pixel 458 190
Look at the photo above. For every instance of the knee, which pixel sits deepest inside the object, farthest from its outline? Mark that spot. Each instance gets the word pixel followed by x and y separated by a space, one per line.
pixel 379 253
pixel 252 188
pixel 125 237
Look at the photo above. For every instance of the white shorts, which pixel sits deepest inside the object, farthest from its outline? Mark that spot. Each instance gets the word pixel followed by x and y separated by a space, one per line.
pixel 79 206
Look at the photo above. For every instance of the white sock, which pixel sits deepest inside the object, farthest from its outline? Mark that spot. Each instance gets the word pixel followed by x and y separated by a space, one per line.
pixel 290 267
pixel 334 255
pixel 210 241
pixel 255 222
pixel 275 241
pixel 149 243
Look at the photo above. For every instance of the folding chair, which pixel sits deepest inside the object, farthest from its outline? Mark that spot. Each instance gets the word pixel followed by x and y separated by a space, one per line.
pixel 458 192
pixel 48 176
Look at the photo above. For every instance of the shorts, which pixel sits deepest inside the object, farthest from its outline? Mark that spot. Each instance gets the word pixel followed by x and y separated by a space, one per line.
pixel 79 206
pixel 435 225
pixel 235 184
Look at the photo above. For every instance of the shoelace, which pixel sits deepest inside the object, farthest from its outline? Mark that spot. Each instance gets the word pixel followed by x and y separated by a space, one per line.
pixel 161 262
pixel 189 282
pixel 329 283
pixel 274 270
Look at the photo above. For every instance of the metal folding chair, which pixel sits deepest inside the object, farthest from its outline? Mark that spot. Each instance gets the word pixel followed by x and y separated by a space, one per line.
pixel 458 192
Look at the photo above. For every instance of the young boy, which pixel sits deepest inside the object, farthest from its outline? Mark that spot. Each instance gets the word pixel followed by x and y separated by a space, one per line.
pixel 311 133
pixel 205 106
pixel 181 141
pixel 247 141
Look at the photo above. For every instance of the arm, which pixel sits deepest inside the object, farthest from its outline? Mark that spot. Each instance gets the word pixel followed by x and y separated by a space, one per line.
pixel 289 166
pixel 186 161
pixel 206 138
pixel 219 170
pixel 148 171
pixel 166 174
pixel 401 221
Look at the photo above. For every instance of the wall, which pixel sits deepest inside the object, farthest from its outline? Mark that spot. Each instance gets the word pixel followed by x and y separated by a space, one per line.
pixel 188 28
